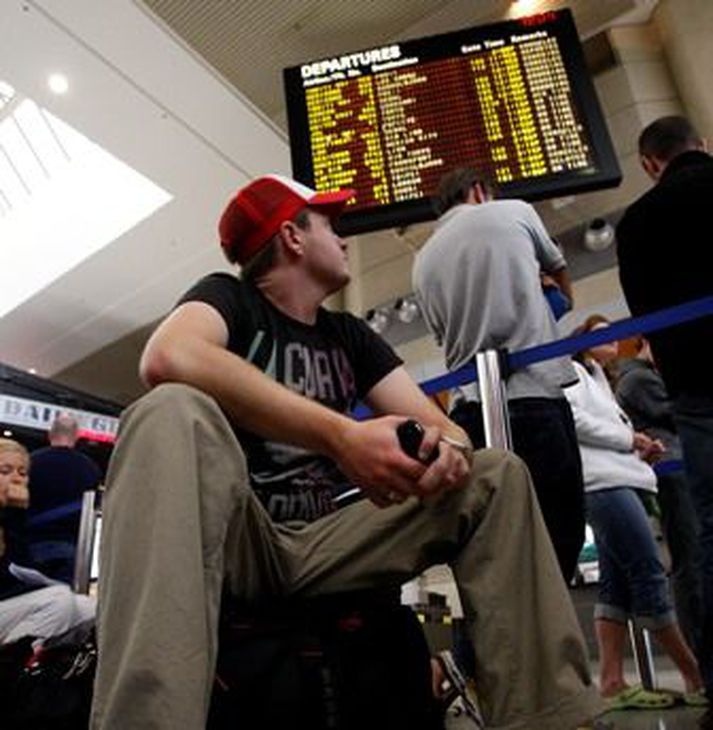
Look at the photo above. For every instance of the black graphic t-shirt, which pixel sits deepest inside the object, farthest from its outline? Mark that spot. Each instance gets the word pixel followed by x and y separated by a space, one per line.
pixel 336 362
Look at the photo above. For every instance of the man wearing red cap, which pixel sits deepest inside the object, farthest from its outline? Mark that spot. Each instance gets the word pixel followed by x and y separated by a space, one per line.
pixel 223 476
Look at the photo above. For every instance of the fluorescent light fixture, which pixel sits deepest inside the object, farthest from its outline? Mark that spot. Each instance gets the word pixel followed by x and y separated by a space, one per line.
pixel 62 199
pixel 377 319
pixel 58 83
pixel 7 93
pixel 599 235
pixel 406 309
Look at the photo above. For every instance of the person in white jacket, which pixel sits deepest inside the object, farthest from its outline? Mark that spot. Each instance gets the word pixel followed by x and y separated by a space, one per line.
pixel 633 582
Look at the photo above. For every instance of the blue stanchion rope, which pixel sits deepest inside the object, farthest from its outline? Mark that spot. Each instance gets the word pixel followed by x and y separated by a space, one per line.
pixel 662 468
pixel 619 330
pixel 54 514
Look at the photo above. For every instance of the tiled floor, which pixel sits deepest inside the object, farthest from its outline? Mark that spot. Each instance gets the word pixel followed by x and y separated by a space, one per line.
pixel 671 719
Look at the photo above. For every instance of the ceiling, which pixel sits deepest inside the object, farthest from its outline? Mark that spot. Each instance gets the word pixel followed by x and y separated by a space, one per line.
pixel 188 92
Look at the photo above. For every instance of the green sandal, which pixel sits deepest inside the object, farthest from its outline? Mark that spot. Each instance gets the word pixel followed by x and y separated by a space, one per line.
pixel 697 698
pixel 638 698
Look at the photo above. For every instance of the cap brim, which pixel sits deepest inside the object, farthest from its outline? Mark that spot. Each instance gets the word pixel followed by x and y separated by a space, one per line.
pixel 336 199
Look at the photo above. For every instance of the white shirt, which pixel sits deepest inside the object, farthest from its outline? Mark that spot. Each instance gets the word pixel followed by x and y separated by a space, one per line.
pixel 605 435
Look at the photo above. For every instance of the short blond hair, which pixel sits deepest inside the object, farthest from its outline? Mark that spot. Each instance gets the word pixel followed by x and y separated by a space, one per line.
pixel 12 445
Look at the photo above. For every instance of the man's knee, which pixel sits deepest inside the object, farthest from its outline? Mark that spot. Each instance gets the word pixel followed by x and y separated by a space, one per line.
pixel 170 408
pixel 494 472
pixel 174 397
pixel 501 469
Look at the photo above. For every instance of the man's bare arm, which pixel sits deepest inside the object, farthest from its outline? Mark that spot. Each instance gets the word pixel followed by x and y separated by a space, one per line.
pixel 189 348
pixel 563 281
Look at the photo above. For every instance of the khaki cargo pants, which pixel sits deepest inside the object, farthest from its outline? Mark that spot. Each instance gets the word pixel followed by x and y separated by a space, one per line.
pixel 181 518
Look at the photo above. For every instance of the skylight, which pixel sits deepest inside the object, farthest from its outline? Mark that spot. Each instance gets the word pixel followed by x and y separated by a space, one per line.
pixel 62 198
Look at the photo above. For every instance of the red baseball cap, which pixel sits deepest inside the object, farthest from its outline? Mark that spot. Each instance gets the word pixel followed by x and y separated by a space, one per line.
pixel 256 212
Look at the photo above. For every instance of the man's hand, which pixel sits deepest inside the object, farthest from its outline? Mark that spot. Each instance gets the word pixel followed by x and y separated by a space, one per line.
pixel 369 453
pixel 449 471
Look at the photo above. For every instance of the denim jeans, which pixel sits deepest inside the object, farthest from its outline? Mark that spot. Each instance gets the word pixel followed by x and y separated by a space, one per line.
pixel 632 579
pixel 694 421
pixel 544 437
pixel 681 531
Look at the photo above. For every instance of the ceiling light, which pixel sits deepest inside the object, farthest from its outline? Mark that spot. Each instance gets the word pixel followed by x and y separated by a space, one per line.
pixel 7 94
pixel 406 309
pixel 599 235
pixel 377 319
pixel 58 83
pixel 54 186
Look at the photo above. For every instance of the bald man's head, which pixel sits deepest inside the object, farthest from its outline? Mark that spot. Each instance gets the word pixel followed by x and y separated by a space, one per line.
pixel 64 430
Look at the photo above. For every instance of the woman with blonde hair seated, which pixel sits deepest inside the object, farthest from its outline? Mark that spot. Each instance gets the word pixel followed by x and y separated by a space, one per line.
pixel 29 610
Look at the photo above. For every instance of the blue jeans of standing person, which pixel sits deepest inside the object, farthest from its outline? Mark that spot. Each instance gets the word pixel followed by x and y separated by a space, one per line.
pixel 694 421
pixel 632 579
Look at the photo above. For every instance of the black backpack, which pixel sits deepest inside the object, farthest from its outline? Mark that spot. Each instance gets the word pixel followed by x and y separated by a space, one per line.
pixel 345 662
pixel 51 688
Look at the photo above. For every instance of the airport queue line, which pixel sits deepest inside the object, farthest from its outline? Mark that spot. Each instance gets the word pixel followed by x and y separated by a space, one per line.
pixel 490 371
pixel 492 368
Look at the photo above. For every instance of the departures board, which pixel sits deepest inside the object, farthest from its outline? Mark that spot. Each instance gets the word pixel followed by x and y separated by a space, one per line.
pixel 513 99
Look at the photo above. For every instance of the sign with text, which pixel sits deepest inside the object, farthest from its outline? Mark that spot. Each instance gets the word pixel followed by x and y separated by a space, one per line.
pixel 512 99
pixel 16 411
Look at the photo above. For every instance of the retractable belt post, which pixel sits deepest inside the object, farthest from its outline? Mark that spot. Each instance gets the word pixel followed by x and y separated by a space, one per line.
pixel 85 543
pixel 641 645
pixel 496 420
pixel 492 365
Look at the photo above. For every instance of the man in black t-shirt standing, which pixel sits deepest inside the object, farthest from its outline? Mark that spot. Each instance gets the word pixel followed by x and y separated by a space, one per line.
pixel 223 475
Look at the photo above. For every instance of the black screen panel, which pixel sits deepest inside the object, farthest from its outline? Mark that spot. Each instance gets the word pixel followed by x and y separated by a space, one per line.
pixel 513 99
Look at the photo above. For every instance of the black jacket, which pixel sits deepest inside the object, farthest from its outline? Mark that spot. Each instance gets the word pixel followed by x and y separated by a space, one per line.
pixel 641 392
pixel 660 265
pixel 14 550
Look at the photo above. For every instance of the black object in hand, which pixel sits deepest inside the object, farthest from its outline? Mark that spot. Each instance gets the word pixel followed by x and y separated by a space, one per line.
pixel 410 434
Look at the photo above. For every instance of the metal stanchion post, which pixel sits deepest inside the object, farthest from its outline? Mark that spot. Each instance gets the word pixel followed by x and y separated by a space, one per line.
pixel 496 424
pixel 496 420
pixel 85 543
pixel 641 644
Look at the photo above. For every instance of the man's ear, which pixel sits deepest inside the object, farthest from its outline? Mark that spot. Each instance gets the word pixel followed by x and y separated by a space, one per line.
pixel 292 238
pixel 653 167
pixel 480 193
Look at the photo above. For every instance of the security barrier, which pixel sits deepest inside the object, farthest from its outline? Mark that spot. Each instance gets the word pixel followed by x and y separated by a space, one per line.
pixel 492 368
